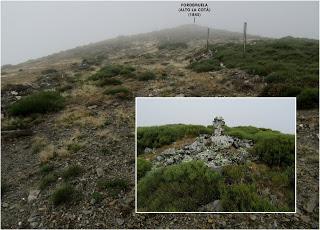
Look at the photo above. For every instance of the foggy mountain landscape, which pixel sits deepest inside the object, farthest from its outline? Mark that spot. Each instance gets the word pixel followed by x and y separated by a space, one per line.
pixel 68 123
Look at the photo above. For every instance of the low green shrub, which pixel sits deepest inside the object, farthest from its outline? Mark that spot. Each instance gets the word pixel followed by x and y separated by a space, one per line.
pixel 143 166
pixel 276 150
pixel 244 198
pixel 308 98
pixel 205 65
pixel 98 197
pixel 46 168
pixel 182 187
pixel 106 72
pixel 120 92
pixel 74 147
pixel 147 76
pixel 72 171
pixel 65 193
pixel 47 180
pixel 41 102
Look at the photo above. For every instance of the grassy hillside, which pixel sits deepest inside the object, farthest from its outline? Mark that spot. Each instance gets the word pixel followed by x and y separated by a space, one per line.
pixel 289 66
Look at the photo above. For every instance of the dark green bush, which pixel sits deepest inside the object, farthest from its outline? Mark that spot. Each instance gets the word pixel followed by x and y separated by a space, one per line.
pixel 72 171
pixel 106 72
pixel 143 166
pixel 157 136
pixel 290 65
pixel 63 194
pixel 182 187
pixel 146 76
pixel 173 45
pixel 308 98
pixel 244 198
pixel 205 65
pixel 41 102
pixel 276 150
pixel 120 92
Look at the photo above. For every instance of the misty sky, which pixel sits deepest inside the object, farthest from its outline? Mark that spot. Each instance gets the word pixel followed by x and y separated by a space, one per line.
pixel 36 29
pixel 275 113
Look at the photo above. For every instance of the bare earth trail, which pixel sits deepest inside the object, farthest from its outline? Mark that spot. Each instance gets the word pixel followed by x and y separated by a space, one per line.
pixel 103 126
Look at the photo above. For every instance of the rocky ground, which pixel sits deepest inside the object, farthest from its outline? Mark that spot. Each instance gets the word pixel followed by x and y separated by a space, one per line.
pixel 102 128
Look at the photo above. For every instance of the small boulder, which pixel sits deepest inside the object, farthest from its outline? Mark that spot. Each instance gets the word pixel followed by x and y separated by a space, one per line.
pixel 33 194
pixel 100 172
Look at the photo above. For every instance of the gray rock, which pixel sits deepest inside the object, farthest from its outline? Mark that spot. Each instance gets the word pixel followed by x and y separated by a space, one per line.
pixel 170 152
pixel 148 150
pixel 120 221
pixel 5 205
pixel 159 158
pixel 33 194
pixel 312 203
pixel 170 161
pixel 100 172
pixel 92 107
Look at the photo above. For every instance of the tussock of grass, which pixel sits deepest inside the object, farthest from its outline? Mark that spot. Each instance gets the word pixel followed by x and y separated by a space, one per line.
pixel 64 194
pixel 42 102
pixel 71 171
pixel 147 76
pixel 47 180
pixel 119 92
pixel 114 186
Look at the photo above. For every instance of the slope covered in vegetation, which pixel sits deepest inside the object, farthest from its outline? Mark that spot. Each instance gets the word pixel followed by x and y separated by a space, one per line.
pixel 289 65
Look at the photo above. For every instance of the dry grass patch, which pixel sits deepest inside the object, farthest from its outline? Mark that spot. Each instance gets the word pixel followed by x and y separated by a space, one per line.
pixel 47 153
pixel 38 143
pixel 80 116
pixel 87 94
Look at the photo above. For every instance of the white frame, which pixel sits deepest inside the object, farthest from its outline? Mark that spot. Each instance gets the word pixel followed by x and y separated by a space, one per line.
pixel 220 98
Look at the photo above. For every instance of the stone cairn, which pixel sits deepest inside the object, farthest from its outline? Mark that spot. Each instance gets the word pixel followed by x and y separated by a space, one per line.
pixel 214 150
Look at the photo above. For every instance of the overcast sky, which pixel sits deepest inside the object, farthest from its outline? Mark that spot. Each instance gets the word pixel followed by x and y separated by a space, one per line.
pixel 36 29
pixel 274 113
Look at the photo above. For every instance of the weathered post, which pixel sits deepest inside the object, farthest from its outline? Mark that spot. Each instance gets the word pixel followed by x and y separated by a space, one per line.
pixel 244 38
pixel 208 39
pixel 194 20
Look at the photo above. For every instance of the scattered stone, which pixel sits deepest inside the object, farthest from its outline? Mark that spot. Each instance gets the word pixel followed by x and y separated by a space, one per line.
pixel 33 194
pixel 148 150
pixel 92 107
pixel 253 217
pixel 312 203
pixel 100 172
pixel 5 205
pixel 120 221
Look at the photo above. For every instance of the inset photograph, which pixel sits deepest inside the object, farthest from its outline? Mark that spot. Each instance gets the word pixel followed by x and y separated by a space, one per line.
pixel 215 154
